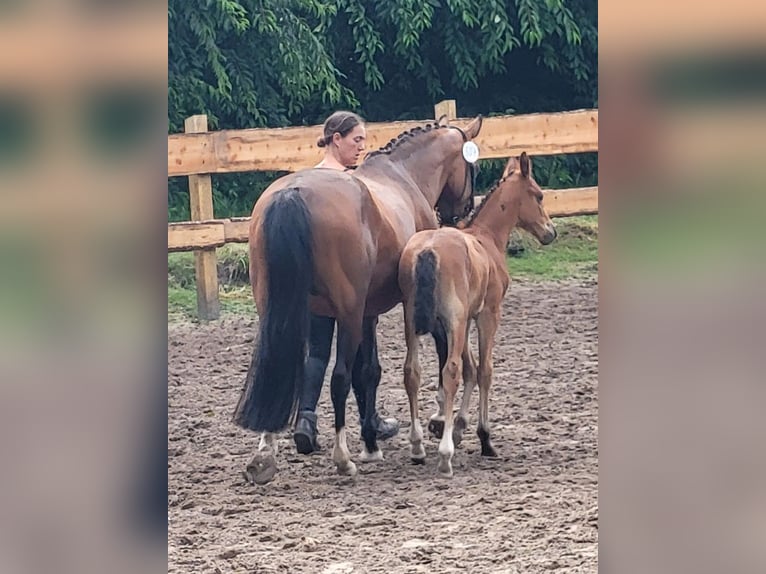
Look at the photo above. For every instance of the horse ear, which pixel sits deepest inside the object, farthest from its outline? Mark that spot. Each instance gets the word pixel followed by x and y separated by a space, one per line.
pixel 443 120
pixel 526 166
pixel 472 129
pixel 510 167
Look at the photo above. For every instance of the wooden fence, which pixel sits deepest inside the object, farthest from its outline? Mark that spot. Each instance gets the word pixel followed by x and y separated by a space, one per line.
pixel 197 153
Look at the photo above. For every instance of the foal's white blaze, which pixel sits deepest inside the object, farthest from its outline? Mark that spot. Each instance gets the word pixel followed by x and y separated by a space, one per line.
pixel 341 455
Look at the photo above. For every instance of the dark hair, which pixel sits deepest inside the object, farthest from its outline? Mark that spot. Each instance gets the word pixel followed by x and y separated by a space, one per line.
pixel 341 122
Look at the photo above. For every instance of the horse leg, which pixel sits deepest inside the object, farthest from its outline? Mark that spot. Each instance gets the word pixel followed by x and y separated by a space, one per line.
pixel 263 467
pixel 487 326
pixel 340 384
pixel 436 422
pixel 365 381
pixel 452 373
pixel 469 382
pixel 412 385
pixel 305 432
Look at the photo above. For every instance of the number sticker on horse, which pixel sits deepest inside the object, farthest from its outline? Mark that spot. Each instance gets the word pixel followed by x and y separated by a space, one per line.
pixel 470 152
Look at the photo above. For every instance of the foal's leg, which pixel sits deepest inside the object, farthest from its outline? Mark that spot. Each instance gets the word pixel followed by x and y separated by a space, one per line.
pixel 412 385
pixel 436 422
pixel 469 382
pixel 452 372
pixel 366 380
pixel 487 326
pixel 340 384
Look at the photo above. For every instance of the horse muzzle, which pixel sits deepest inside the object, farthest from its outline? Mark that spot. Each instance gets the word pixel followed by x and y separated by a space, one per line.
pixel 549 234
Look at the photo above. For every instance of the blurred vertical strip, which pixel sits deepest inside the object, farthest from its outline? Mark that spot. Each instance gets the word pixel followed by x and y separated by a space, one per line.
pixel 83 403
pixel 682 97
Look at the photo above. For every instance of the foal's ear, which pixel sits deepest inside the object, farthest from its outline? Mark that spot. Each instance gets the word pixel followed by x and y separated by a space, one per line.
pixel 443 120
pixel 510 167
pixel 472 129
pixel 526 164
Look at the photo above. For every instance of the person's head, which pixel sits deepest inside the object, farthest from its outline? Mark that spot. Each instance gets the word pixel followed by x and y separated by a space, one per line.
pixel 344 137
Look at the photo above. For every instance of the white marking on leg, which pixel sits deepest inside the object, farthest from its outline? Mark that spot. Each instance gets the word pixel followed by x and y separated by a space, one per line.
pixel 439 415
pixel 446 449
pixel 262 468
pixel 446 445
pixel 341 455
pixel 365 456
pixel 416 441
pixel 268 443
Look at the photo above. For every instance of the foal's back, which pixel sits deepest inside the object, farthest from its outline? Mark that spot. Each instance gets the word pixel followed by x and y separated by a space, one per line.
pixel 470 270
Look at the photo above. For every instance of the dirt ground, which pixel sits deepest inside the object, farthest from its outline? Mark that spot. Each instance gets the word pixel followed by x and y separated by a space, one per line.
pixel 534 509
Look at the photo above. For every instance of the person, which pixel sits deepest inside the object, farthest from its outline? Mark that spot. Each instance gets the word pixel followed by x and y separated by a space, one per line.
pixel 343 139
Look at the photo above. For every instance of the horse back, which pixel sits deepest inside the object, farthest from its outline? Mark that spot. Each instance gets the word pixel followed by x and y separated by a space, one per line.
pixel 463 269
pixel 345 224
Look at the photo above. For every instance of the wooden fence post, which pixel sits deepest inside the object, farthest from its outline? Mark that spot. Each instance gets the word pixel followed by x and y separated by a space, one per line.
pixel 448 107
pixel 205 260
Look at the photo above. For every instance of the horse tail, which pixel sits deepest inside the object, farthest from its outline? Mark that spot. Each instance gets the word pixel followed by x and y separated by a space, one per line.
pixel 425 293
pixel 275 377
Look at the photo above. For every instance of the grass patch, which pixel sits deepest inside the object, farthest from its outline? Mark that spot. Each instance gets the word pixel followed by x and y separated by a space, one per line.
pixel 235 294
pixel 235 300
pixel 573 254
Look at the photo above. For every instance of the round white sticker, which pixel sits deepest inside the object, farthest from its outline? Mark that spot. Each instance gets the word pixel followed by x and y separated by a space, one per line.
pixel 470 152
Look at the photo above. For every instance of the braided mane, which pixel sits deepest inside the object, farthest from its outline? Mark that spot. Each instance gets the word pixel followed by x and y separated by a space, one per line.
pixel 401 138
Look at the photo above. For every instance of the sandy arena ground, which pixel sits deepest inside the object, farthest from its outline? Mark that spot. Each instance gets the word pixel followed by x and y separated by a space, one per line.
pixel 532 510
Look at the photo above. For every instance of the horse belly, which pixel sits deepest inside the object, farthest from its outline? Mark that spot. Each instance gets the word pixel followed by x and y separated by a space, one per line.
pixel 384 293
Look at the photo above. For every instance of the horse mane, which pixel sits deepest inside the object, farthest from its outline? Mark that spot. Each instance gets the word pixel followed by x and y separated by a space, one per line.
pixel 484 201
pixel 401 138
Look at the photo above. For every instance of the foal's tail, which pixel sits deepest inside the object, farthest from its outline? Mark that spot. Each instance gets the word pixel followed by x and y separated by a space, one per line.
pixel 425 293
pixel 275 376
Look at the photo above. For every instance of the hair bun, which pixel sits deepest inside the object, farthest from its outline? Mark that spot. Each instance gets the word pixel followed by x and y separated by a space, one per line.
pixel 321 142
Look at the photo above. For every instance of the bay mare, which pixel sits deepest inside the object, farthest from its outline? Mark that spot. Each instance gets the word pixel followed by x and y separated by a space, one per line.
pixel 329 242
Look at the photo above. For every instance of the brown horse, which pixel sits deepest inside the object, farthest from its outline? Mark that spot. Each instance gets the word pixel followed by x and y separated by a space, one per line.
pixel 449 277
pixel 329 242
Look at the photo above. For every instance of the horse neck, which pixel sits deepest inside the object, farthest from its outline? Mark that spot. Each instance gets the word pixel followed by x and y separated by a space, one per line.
pixel 498 217
pixel 423 165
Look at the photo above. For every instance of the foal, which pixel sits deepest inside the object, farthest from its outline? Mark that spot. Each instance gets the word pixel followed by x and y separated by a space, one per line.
pixel 451 276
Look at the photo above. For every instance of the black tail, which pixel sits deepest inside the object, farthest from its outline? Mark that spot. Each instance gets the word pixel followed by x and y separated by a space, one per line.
pixel 275 376
pixel 425 293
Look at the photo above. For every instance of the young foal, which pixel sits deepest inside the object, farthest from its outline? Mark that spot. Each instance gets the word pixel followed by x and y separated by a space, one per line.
pixel 450 276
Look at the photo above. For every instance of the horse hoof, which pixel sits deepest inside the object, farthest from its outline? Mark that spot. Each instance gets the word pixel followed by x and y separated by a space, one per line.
pixel 261 469
pixel 489 451
pixel 457 437
pixel 436 427
pixel 444 471
pixel 418 454
pixel 375 456
pixel 347 469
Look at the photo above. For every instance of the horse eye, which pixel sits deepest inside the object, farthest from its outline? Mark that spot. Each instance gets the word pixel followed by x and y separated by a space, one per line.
pixel 539 199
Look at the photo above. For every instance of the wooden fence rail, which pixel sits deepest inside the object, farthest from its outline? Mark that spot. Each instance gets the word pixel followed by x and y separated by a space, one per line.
pixel 212 233
pixel 199 153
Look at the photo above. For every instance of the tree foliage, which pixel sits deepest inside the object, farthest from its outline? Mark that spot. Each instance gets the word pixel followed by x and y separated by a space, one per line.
pixel 258 63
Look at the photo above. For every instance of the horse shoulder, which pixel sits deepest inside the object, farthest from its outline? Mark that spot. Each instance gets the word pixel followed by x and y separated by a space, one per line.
pixel 500 276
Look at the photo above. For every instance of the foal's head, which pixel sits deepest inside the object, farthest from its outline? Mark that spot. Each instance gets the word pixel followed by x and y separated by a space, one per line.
pixel 528 198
